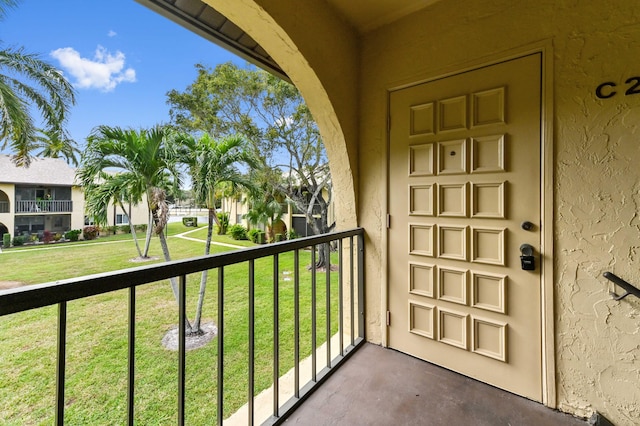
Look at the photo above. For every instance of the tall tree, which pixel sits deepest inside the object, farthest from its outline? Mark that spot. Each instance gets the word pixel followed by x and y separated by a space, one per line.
pixel 25 81
pixel 146 165
pixel 214 163
pixel 271 114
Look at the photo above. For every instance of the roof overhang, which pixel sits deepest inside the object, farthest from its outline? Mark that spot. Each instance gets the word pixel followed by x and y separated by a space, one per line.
pixel 207 22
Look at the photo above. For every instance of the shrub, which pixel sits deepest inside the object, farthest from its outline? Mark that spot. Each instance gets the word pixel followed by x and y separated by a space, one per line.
pixel 224 223
pixel 6 240
pixel 18 241
pixel 125 229
pixel 279 237
pixel 140 228
pixel 238 232
pixel 189 221
pixel 47 237
pixel 57 236
pixel 90 232
pixel 292 234
pixel 72 235
pixel 253 235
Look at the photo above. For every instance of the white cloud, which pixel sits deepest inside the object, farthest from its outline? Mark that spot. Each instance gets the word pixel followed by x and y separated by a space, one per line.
pixel 104 72
pixel 112 33
pixel 286 121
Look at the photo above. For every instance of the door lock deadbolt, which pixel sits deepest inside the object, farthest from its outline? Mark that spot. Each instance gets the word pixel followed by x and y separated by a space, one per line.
pixel 527 260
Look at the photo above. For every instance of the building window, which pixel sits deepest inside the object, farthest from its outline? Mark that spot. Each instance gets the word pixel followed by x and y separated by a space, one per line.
pixel 122 219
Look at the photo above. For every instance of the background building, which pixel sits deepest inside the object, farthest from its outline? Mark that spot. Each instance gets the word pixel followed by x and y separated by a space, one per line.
pixel 46 197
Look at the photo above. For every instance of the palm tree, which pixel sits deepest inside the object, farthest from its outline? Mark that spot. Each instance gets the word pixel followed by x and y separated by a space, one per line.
pixel 112 187
pixel 265 206
pixel 57 144
pixel 215 163
pixel 146 165
pixel 41 85
pixel 265 209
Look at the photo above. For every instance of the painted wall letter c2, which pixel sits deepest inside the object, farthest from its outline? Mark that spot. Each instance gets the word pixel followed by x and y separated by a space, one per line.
pixel 604 90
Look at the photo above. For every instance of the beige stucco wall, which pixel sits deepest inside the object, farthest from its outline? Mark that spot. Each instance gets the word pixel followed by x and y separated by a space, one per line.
pixel 597 178
pixel 235 207
pixel 77 216
pixel 139 213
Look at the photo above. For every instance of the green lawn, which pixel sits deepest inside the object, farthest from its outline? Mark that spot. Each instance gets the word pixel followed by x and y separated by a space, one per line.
pixel 97 336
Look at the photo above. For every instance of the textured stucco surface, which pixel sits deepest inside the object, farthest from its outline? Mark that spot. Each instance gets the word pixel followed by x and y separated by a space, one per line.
pixel 597 178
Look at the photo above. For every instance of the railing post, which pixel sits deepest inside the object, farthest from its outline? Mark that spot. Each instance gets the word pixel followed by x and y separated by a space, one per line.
pixel 327 254
pixel 340 297
pixel 220 345
pixel 276 340
pixel 131 356
pixel 182 325
pixel 352 291
pixel 61 362
pixel 252 315
pixel 361 319
pixel 296 322
pixel 313 314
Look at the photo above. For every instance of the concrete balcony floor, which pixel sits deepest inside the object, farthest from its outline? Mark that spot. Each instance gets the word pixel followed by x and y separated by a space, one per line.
pixel 379 386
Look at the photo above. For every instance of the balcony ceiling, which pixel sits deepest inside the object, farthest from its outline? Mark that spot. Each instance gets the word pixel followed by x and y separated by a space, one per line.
pixel 195 15
pixel 367 15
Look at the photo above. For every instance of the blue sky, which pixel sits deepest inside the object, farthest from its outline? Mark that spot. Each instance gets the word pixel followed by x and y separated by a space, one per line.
pixel 121 56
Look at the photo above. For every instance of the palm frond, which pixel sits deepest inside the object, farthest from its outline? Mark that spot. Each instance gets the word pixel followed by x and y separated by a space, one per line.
pixel 31 82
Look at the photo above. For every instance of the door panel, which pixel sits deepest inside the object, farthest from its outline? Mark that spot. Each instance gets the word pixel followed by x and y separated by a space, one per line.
pixel 464 174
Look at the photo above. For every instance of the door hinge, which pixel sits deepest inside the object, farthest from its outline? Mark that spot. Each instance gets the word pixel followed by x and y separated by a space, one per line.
pixel 388 221
pixel 388 318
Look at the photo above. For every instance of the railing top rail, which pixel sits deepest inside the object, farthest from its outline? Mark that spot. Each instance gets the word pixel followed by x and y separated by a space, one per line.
pixel 39 295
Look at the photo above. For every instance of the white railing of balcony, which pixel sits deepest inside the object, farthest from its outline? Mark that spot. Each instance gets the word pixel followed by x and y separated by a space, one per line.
pixel 37 206
pixel 4 207
pixel 350 318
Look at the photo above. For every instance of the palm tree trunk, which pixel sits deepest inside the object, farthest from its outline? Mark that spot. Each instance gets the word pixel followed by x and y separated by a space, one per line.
pixel 203 279
pixel 132 229
pixel 147 241
pixel 167 258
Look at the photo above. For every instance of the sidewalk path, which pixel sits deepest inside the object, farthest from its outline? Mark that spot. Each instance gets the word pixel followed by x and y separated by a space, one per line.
pixel 61 246
pixel 182 235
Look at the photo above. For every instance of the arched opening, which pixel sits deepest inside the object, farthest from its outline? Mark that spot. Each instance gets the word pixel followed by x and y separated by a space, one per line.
pixel 329 85
pixel 4 202
pixel 3 230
